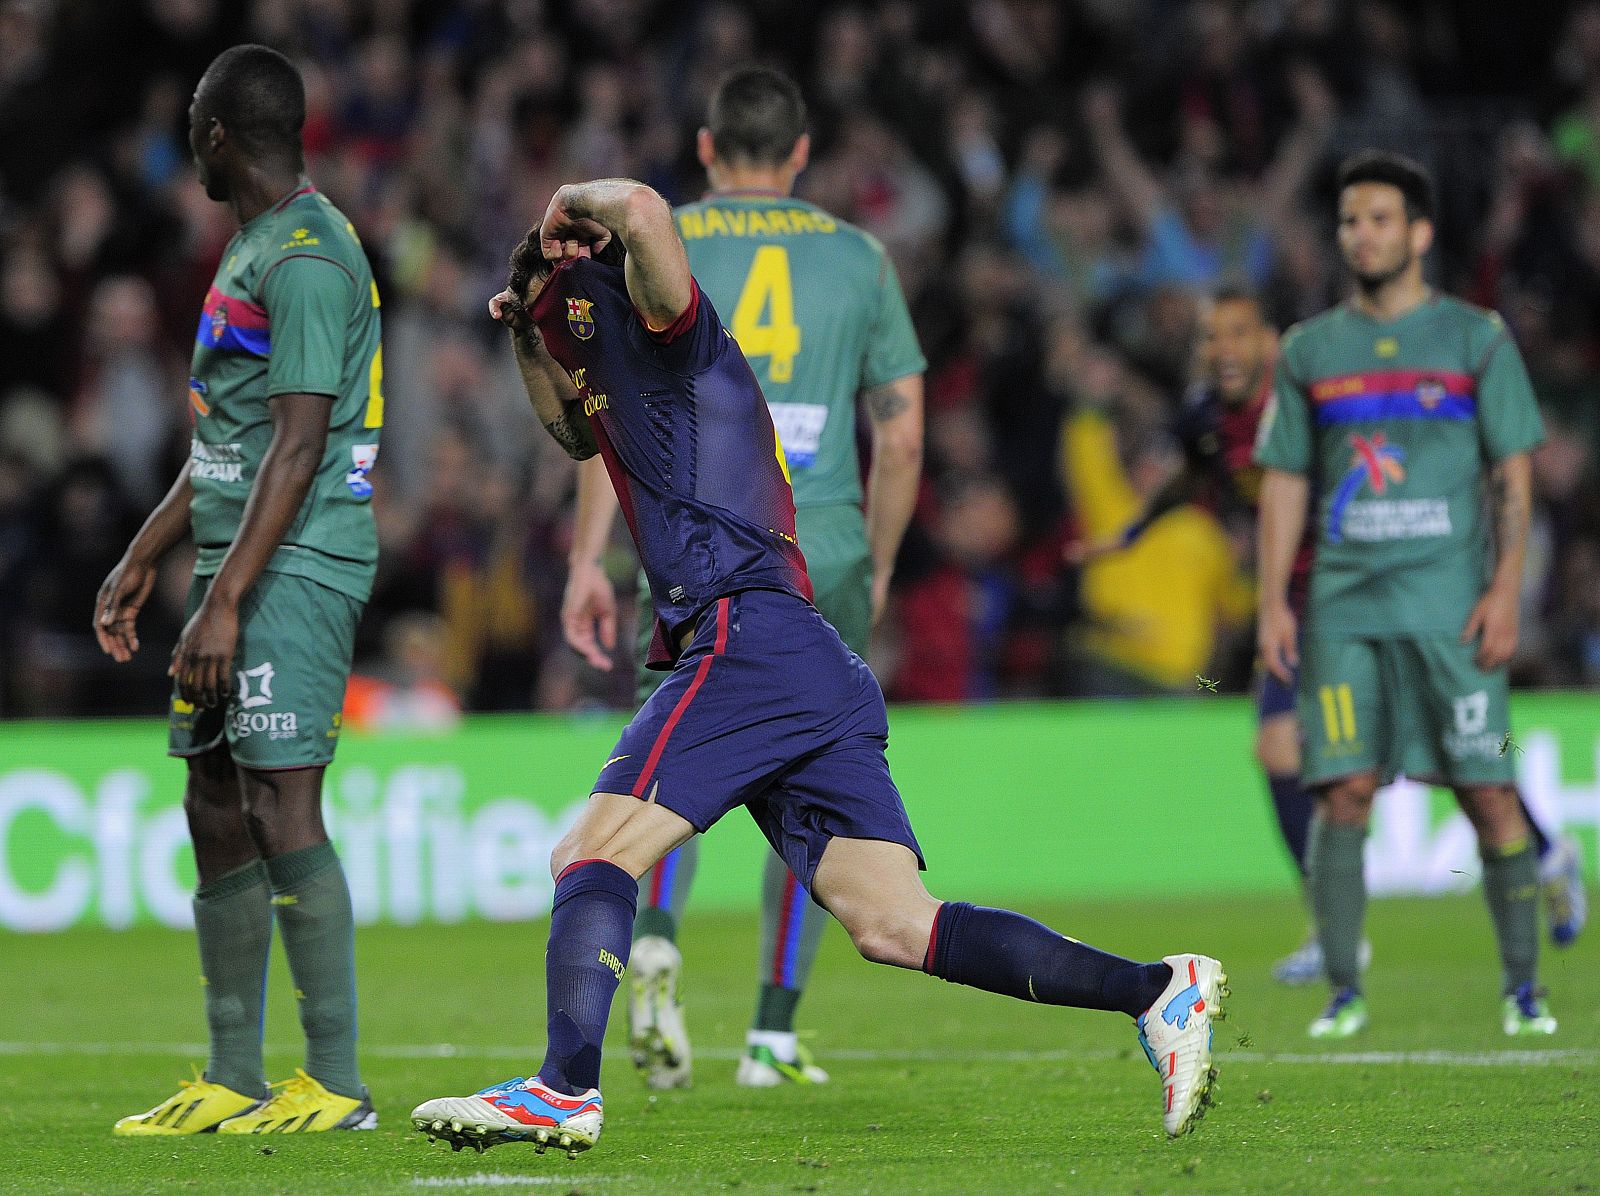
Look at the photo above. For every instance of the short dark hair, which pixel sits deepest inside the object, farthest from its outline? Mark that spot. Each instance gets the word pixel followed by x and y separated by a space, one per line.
pixel 1409 176
pixel 756 116
pixel 529 264
pixel 1238 292
pixel 258 96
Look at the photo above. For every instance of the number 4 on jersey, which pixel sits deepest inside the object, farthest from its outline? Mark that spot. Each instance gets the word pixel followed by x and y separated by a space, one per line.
pixel 767 292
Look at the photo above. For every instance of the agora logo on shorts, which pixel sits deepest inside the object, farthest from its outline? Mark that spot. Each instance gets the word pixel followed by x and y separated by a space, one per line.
pixel 255 690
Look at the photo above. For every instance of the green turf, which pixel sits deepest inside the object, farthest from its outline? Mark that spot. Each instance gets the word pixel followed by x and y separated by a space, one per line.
pixel 936 1089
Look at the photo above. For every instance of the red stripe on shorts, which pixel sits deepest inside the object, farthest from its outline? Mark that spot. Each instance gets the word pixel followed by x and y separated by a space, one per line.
pixel 660 746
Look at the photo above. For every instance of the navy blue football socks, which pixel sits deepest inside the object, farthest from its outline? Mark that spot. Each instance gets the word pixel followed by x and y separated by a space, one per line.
pixel 591 929
pixel 1294 805
pixel 1004 952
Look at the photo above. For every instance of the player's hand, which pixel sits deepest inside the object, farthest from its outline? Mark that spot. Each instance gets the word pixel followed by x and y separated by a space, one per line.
pixel 1278 640
pixel 116 608
pixel 508 309
pixel 202 663
pixel 589 615
pixel 1493 623
pixel 563 235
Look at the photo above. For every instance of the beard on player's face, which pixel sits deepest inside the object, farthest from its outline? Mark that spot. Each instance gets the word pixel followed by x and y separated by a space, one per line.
pixel 1380 269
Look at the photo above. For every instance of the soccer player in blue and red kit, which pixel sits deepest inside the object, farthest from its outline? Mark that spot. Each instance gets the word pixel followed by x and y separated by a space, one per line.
pixel 764 706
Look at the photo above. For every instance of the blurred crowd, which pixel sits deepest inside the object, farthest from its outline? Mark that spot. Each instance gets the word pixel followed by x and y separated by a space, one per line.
pixel 1059 181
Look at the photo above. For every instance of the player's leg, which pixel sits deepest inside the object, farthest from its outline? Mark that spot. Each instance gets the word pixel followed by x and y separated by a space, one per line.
pixel 1510 888
pixel 596 868
pixel 1277 751
pixel 294 660
pixel 233 928
pixel 791 932
pixel 1566 902
pixel 1468 720
pixel 792 925
pixel 670 774
pixel 874 889
pixel 1343 730
pixel 658 1032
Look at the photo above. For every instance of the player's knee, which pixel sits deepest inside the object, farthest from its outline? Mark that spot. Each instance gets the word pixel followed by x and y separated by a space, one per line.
pixel 1349 801
pixel 886 936
pixel 1495 812
pixel 1278 747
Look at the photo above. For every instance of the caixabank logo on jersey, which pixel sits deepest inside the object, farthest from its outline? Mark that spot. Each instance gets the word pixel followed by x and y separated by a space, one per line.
pixel 255 691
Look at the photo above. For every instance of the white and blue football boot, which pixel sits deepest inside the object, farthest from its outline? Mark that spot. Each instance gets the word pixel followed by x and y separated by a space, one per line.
pixel 1175 1033
pixel 519 1110
pixel 1566 905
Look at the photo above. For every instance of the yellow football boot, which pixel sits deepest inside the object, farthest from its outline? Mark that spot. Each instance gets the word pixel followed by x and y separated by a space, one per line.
pixel 302 1106
pixel 199 1108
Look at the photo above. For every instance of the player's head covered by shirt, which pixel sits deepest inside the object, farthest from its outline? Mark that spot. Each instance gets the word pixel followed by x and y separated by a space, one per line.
pixel 685 434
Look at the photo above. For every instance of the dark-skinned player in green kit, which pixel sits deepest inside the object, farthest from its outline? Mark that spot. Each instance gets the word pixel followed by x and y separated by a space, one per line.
pixel 817 310
pixel 1402 406
pixel 287 408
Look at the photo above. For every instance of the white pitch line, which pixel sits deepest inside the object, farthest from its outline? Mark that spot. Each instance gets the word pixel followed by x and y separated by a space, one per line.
pixel 497 1180
pixel 530 1053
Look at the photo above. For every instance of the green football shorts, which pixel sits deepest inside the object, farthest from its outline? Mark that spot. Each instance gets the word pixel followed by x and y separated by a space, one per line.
pixel 296 641
pixel 834 540
pixel 1415 705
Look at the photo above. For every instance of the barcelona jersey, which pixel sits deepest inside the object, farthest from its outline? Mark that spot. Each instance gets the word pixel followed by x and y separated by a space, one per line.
pixel 687 440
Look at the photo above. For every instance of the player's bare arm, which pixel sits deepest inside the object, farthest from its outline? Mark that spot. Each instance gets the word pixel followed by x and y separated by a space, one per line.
pixel 895 409
pixel 555 400
pixel 589 605
pixel 582 218
pixel 202 663
pixel 1493 621
pixel 1282 523
pixel 127 587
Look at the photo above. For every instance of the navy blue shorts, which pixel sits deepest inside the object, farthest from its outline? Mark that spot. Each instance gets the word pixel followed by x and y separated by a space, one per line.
pixel 767 709
pixel 1273 697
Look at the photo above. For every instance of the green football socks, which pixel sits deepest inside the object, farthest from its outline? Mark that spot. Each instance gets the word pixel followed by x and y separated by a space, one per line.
pixel 312 901
pixel 791 932
pixel 1511 887
pixel 1338 890
pixel 664 891
pixel 233 923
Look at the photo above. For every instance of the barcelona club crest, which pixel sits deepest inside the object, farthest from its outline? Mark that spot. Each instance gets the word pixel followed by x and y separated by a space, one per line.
pixel 580 318
pixel 219 321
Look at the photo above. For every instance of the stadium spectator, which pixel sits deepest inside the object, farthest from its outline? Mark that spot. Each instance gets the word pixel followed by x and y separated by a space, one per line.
pixel 948 129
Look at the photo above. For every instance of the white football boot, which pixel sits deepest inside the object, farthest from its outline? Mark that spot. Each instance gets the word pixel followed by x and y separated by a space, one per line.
pixel 1176 1035
pixel 657 1035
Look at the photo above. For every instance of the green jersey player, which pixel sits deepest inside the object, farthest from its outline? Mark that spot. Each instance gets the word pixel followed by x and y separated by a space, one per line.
pixel 817 310
pixel 1401 406
pixel 287 409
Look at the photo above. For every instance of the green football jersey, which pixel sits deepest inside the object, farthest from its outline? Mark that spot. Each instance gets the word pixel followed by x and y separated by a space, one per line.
pixel 816 306
pixel 1396 424
pixel 293 309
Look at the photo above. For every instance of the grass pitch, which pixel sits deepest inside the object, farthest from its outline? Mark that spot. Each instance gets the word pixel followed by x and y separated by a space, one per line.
pixel 936 1089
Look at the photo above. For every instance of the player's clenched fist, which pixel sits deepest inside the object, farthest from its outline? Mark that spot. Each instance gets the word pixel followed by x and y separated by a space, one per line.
pixel 566 234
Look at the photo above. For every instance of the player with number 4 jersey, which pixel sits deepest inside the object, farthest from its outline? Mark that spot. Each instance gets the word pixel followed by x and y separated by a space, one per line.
pixel 817 310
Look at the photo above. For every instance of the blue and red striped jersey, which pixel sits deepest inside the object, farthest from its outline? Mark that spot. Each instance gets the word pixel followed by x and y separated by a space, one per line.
pixel 688 442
